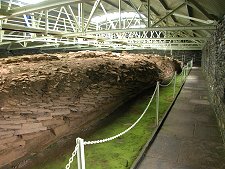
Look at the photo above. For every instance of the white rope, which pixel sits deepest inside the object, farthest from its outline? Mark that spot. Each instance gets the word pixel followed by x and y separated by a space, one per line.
pixel 125 131
pixel 72 157
pixel 122 133
pixel 162 85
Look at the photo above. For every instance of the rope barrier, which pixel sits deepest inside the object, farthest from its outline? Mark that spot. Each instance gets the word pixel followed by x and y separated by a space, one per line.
pixel 72 157
pixel 163 85
pixel 79 148
pixel 125 131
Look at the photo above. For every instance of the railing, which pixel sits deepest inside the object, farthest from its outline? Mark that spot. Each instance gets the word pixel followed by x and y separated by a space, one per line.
pixel 80 143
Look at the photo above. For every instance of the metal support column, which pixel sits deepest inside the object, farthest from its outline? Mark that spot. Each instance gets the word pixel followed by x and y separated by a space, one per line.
pixel 169 14
pixel 97 2
pixel 1 32
pixel 81 16
pixel 157 104
pixel 46 22
pixel 80 153
pixel 120 14
pixel 149 13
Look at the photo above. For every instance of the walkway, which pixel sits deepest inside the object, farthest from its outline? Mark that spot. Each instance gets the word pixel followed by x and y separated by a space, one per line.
pixel 189 138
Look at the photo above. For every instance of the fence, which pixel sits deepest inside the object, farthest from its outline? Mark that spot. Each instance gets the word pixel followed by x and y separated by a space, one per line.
pixel 80 143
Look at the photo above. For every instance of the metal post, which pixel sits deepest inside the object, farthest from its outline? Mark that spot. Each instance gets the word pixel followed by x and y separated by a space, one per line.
pixel 80 154
pixel 119 14
pixel 149 13
pixel 174 84
pixel 96 4
pixel 188 67
pixel 58 18
pixel 81 16
pixel 46 22
pixel 1 32
pixel 157 104
pixel 184 74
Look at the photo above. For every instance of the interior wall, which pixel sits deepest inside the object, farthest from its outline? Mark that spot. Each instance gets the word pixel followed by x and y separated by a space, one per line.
pixel 185 56
pixel 213 64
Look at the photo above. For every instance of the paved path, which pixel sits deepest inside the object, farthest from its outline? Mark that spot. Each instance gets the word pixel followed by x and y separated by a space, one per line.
pixel 189 138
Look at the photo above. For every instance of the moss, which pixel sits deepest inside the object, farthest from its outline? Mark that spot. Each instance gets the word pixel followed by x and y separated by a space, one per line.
pixel 120 153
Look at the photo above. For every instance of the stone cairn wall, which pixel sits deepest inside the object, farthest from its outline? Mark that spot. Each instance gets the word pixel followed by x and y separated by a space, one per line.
pixel 45 97
pixel 213 63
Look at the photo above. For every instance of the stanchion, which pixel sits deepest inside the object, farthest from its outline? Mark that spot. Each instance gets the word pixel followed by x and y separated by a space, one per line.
pixel 157 104
pixel 174 84
pixel 184 73
pixel 80 154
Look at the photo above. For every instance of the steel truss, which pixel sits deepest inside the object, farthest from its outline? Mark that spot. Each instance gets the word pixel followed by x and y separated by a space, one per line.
pixel 66 24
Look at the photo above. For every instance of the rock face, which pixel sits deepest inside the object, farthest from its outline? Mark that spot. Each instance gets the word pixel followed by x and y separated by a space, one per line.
pixel 213 63
pixel 45 97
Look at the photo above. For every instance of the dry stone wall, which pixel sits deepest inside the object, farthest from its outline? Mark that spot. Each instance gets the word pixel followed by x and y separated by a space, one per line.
pixel 213 63
pixel 47 96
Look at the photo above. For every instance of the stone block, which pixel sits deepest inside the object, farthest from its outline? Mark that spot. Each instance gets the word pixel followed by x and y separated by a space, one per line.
pixel 31 135
pixel 44 118
pixel 60 112
pixel 60 130
pixel 31 125
pixel 10 126
pixel 6 133
pixel 51 122
pixel 8 140
pixel 40 110
pixel 8 109
pixel 29 130
pixel 12 121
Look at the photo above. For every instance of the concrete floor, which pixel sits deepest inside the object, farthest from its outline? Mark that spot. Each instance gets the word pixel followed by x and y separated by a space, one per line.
pixel 189 138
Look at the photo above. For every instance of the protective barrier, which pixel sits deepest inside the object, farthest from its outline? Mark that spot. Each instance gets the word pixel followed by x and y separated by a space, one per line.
pixel 80 143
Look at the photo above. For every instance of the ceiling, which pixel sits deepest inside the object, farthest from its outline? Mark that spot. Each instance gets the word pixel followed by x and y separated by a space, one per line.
pixel 69 24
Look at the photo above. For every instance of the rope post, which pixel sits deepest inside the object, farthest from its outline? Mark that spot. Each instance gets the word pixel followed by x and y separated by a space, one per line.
pixel 183 73
pixel 80 154
pixel 174 84
pixel 186 71
pixel 157 104
pixel 188 65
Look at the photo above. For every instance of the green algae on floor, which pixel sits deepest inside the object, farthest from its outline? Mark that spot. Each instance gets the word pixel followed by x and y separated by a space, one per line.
pixel 120 153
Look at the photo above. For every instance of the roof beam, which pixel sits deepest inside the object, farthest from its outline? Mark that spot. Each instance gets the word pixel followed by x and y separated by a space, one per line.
pixel 164 39
pixel 130 3
pixel 175 28
pixel 45 5
pixel 194 19
pixel 112 4
pixel 167 8
pixel 195 4
pixel 96 4
pixel 152 9
pixel 169 14
pixel 14 27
